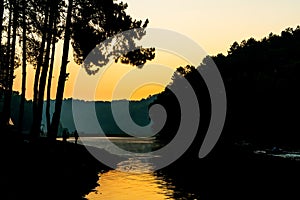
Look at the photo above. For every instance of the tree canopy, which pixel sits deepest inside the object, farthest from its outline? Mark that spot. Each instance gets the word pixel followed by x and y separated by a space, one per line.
pixel 39 24
pixel 262 81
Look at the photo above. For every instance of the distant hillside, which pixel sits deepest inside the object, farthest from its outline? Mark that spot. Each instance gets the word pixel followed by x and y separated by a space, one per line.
pixel 138 111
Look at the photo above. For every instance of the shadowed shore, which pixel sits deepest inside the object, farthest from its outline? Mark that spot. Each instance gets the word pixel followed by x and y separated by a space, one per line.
pixel 234 172
pixel 44 170
pixel 59 170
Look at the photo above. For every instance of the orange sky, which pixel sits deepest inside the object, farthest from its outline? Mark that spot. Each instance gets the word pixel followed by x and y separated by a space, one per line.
pixel 112 76
pixel 213 24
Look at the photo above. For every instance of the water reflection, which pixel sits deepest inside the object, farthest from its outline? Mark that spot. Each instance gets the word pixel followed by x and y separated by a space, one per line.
pixel 132 179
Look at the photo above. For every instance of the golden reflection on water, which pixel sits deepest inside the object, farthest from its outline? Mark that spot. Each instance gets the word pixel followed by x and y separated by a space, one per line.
pixel 118 185
pixel 134 178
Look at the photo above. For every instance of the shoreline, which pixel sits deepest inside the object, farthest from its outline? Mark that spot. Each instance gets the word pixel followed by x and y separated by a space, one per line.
pixel 47 171
pixel 59 170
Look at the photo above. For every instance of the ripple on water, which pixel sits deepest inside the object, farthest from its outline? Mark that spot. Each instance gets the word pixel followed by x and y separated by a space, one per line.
pixel 133 179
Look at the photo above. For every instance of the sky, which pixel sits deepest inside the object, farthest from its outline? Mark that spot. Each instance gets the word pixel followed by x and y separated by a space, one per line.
pixel 216 24
pixel 212 24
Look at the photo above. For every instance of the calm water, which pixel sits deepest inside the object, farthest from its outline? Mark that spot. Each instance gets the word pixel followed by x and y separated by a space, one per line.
pixel 224 178
pixel 140 182
pixel 117 184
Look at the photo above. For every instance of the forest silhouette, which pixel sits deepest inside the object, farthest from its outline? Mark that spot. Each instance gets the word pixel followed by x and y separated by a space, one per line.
pixel 39 25
pixel 261 81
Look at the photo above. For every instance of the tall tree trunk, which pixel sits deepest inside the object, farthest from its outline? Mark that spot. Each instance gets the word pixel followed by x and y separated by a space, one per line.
pixel 62 75
pixel 45 68
pixel 35 125
pixel 21 112
pixel 48 117
pixel 1 22
pixel 6 110
pixel 1 55
pixel 13 52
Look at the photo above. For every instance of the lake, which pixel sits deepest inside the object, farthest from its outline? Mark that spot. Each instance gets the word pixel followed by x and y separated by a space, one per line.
pixel 225 174
pixel 133 178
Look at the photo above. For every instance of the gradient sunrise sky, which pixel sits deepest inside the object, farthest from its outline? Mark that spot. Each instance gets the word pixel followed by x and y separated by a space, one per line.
pixel 213 24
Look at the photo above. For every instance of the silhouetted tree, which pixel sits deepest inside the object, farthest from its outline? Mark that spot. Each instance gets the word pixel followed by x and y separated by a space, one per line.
pixel 93 22
pixel 1 51
pixel 1 22
pixel 24 63
pixel 48 12
pixel 173 108
pixel 49 83
pixel 11 58
pixel 262 82
pixel 36 124
pixel 43 77
pixel 62 75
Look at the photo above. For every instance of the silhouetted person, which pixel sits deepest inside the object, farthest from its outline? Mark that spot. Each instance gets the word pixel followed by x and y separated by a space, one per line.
pixel 65 135
pixel 76 136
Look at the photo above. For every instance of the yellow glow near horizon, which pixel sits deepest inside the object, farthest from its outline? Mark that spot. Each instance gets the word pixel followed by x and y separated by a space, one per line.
pixel 119 81
pixel 146 90
pixel 123 76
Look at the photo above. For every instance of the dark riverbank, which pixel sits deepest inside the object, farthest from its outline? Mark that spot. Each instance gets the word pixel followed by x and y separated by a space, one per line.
pixel 60 170
pixel 44 170
pixel 234 172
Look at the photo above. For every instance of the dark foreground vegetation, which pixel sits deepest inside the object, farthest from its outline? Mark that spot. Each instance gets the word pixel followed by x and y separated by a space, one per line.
pixel 47 170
